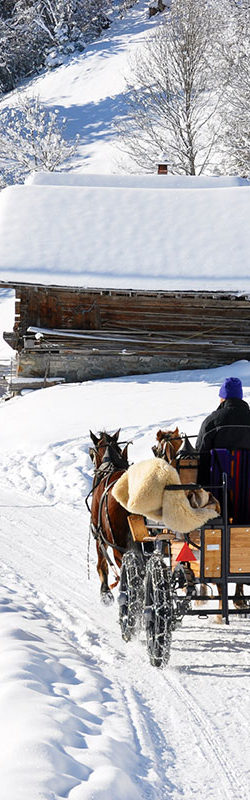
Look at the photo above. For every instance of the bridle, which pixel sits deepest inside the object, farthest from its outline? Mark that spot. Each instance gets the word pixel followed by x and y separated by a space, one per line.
pixel 103 472
pixel 165 448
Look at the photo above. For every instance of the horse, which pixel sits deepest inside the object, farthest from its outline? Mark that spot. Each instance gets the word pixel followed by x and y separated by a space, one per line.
pixel 170 446
pixel 108 521
pixel 178 451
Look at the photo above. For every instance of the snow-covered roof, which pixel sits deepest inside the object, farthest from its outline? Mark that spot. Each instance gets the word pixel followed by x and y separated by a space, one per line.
pixel 135 181
pixel 124 235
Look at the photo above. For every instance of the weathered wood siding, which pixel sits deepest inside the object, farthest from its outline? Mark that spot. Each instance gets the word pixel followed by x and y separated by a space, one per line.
pixel 173 312
pixel 170 330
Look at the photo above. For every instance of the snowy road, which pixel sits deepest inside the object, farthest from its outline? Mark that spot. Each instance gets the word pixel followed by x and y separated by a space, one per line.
pixel 142 733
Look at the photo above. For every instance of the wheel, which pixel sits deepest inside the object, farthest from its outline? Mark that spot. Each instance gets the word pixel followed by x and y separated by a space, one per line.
pixel 131 595
pixel 158 611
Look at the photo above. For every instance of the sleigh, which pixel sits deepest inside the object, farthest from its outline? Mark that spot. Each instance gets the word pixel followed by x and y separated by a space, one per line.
pixel 161 575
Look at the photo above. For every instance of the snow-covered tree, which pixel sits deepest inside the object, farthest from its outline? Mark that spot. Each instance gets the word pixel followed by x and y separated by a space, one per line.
pixel 31 138
pixel 23 41
pixel 235 111
pixel 172 99
pixel 34 33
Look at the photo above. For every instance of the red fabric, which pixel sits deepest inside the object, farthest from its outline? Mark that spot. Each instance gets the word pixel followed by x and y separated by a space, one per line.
pixel 237 483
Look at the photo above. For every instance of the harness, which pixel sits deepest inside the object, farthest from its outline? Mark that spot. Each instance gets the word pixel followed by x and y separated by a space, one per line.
pixel 104 472
pixel 99 530
pixel 160 450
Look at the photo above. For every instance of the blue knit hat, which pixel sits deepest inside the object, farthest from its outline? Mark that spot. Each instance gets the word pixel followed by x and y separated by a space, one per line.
pixel 231 387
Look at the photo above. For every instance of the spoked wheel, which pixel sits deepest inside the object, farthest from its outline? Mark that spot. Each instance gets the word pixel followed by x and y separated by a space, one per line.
pixel 131 595
pixel 158 611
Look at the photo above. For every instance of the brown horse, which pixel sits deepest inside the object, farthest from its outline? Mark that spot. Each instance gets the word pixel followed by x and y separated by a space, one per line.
pixel 108 519
pixel 168 443
pixel 177 451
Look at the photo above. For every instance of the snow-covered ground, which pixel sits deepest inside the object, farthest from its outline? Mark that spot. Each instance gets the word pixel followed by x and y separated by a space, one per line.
pixel 82 714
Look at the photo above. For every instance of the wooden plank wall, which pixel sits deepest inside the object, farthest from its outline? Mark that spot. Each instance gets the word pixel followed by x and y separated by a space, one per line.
pixel 176 313
pixel 173 329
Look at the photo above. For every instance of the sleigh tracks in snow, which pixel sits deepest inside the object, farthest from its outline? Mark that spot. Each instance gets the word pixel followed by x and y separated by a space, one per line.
pixel 155 597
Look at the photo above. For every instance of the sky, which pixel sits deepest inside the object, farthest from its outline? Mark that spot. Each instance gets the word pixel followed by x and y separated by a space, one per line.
pixel 83 715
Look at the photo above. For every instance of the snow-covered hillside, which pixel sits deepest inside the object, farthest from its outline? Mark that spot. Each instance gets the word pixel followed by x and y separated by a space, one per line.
pixel 83 715
pixel 87 90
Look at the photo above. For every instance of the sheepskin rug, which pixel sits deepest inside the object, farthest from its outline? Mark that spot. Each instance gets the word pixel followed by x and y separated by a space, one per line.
pixel 141 490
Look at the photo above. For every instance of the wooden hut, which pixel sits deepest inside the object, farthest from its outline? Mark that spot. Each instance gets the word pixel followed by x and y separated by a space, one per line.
pixel 80 334
pixel 157 234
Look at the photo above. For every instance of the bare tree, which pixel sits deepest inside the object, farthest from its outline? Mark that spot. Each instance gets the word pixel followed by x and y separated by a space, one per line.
pixel 172 100
pixel 31 138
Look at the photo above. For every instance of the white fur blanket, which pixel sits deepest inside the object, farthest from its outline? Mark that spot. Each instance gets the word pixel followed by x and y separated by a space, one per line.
pixel 141 491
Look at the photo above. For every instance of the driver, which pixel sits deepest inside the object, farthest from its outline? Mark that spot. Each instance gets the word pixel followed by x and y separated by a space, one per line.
pixel 227 427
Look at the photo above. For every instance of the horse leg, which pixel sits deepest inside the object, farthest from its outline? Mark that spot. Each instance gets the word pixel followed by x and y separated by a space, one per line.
pixel 203 591
pixel 102 569
pixel 239 600
pixel 239 597
pixel 218 617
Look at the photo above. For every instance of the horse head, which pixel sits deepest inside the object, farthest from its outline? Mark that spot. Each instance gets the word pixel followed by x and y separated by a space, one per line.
pixel 107 450
pixel 168 443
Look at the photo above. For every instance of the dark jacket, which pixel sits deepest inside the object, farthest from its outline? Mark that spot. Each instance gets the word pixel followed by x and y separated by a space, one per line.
pixel 228 426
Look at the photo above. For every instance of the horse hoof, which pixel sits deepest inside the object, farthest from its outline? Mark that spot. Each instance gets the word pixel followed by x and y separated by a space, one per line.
pixel 218 619
pixel 240 603
pixel 107 598
pixel 199 602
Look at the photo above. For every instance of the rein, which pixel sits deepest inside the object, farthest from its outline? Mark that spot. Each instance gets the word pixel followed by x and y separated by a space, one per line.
pixel 172 453
pixel 103 472
pixel 99 530
pixel 163 449
pixel 109 459
pixel 98 533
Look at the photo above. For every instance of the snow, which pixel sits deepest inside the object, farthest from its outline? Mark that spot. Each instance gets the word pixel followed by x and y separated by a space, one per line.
pixel 99 235
pixel 89 90
pixel 6 319
pixel 82 714
pixel 94 225
pixel 135 181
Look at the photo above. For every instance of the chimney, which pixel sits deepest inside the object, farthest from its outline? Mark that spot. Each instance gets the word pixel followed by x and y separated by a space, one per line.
pixel 162 169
